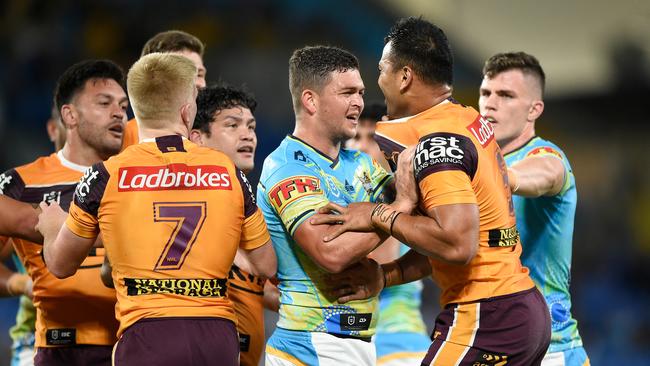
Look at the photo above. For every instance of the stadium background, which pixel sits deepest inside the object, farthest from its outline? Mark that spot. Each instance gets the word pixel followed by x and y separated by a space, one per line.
pixel 595 53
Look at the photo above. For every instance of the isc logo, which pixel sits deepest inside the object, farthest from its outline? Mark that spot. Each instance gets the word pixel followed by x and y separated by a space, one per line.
pixel 290 189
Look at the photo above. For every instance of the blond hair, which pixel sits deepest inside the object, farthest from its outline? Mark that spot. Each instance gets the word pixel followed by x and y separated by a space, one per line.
pixel 158 85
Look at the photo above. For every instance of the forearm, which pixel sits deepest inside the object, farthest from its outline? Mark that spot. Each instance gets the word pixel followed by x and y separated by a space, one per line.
pixel 349 248
pixel 422 233
pixel 410 267
pixel 535 177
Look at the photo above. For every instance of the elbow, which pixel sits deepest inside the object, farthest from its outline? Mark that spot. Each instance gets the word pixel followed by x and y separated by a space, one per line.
pixel 58 268
pixel 61 272
pixel 462 255
pixel 331 263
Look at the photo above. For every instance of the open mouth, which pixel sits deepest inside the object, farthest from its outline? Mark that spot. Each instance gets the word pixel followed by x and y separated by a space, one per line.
pixel 117 129
pixel 491 119
pixel 245 150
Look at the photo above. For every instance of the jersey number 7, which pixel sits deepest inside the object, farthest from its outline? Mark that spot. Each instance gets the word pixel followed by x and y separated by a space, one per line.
pixel 188 218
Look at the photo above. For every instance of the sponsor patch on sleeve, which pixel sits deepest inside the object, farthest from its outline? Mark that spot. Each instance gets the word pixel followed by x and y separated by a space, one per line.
pixel 544 151
pixel 11 184
pixel 444 151
pixel 482 130
pixel 292 189
pixel 90 188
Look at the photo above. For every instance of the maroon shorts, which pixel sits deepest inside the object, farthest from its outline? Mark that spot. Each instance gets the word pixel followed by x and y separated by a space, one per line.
pixel 80 355
pixel 178 341
pixel 505 330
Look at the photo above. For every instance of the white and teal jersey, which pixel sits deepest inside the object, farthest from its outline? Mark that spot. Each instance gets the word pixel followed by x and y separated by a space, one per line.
pixel 546 228
pixel 296 180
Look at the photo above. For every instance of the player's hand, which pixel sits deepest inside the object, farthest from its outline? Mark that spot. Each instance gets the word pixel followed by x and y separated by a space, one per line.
pixel 50 220
pixel 20 284
pixel 407 192
pixel 362 280
pixel 355 217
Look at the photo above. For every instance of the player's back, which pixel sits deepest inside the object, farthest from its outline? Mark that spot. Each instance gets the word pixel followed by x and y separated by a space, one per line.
pixel 455 142
pixel 172 216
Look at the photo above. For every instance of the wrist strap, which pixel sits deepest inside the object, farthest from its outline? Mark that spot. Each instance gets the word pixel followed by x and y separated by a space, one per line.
pixel 16 284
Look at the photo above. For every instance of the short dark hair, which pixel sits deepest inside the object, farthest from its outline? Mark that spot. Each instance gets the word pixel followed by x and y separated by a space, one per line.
pixel 173 41
pixel 216 98
pixel 423 46
pixel 74 78
pixel 528 64
pixel 310 68
pixel 373 112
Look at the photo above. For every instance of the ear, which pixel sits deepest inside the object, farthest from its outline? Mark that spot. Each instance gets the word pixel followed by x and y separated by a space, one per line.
pixel 309 101
pixel 406 78
pixel 196 137
pixel 69 116
pixel 535 110
pixel 187 116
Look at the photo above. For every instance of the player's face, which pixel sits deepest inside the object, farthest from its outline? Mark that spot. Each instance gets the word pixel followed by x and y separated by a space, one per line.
pixel 233 132
pixel 364 138
pixel 198 62
pixel 341 104
pixel 101 108
pixel 389 82
pixel 506 100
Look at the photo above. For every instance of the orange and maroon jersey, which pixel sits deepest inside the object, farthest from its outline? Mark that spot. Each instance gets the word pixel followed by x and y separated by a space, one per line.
pixel 78 309
pixel 246 292
pixel 457 160
pixel 131 134
pixel 172 215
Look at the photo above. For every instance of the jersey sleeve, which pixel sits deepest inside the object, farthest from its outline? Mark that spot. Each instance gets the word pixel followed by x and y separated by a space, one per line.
pixel 82 215
pixel 294 193
pixel 11 184
pixel 444 166
pixel 254 231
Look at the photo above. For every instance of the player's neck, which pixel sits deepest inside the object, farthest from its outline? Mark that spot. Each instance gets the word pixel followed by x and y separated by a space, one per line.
pixel 151 133
pixel 519 141
pixel 81 154
pixel 425 98
pixel 318 140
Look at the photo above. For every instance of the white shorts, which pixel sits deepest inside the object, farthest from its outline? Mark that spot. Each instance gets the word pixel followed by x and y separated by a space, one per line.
pixel 22 353
pixel 571 357
pixel 296 348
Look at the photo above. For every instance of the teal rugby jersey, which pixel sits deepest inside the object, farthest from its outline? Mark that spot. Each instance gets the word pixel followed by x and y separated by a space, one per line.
pixel 296 180
pixel 546 228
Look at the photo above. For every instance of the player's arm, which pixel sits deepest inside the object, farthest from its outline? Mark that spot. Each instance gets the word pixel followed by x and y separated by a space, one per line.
pixel 336 254
pixel 63 250
pixel 263 261
pixel 448 232
pixel 537 176
pixel 12 283
pixel 106 273
pixel 367 278
pixel 17 219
